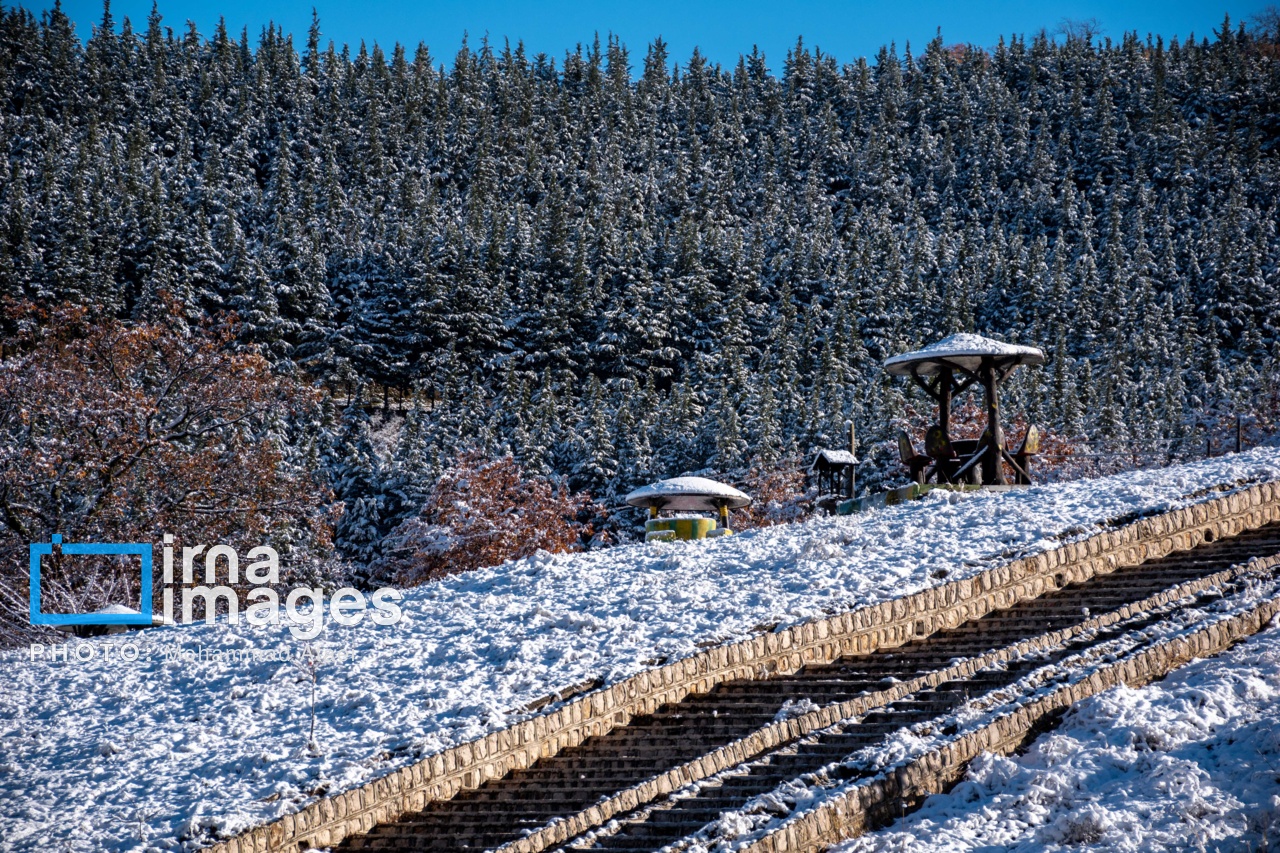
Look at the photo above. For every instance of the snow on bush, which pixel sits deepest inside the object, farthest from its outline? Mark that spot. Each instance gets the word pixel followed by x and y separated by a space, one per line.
pixel 482 512
pixel 777 496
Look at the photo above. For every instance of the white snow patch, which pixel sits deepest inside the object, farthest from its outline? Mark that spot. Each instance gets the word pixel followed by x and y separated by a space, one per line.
pixel 793 708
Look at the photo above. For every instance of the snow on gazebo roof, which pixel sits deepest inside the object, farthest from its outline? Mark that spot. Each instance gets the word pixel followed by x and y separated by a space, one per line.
pixel 964 351
pixel 688 494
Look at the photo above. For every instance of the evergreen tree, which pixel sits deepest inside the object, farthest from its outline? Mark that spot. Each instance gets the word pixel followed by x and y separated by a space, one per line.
pixel 357 483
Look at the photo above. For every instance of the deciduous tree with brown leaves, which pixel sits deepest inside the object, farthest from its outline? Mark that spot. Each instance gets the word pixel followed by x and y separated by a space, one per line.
pixel 122 433
pixel 483 511
pixel 778 495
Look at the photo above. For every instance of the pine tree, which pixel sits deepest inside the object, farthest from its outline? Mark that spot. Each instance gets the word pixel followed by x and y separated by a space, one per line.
pixel 357 483
pixel 595 463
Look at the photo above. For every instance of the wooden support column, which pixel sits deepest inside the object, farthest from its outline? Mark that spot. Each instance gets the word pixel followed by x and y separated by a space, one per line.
pixel 853 453
pixel 992 469
pixel 944 402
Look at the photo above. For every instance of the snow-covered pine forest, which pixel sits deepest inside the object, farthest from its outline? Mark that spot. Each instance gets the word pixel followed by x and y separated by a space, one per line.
pixel 621 266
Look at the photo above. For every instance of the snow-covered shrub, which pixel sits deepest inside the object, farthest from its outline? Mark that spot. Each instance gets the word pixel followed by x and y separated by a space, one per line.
pixel 483 511
pixel 1089 825
pixel 778 496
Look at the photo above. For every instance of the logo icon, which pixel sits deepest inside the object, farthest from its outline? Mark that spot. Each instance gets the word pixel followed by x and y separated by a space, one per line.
pixel 138 549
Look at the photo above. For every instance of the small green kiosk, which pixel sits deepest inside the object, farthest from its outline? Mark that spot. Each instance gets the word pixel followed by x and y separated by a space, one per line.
pixel 675 505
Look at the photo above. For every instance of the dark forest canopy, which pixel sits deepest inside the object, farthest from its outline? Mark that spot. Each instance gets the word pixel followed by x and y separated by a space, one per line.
pixel 618 271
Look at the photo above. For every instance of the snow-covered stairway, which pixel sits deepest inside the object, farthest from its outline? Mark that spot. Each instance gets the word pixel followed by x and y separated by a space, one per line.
pixel 762 793
pixel 751 737
pixel 575 723
pixel 871 769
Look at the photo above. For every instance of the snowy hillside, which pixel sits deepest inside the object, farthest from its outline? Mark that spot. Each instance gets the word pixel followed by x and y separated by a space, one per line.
pixel 1188 763
pixel 207 732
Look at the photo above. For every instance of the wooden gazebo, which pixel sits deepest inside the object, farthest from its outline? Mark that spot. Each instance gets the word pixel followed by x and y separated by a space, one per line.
pixel 948 368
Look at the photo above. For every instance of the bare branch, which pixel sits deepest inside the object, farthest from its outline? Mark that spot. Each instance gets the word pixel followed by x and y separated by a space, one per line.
pixel 1080 29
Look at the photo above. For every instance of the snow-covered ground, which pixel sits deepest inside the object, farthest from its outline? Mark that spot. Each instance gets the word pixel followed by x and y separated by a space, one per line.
pixel 1189 763
pixel 207 732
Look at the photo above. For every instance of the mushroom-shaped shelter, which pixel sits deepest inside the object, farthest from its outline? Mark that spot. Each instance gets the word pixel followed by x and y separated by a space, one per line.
pixel 687 495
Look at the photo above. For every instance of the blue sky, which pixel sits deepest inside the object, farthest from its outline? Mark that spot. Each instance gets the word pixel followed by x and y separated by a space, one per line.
pixel 721 30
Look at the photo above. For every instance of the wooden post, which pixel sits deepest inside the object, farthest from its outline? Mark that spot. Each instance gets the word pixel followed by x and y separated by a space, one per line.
pixel 853 451
pixel 1239 435
pixel 992 467
pixel 944 402
pixel 724 516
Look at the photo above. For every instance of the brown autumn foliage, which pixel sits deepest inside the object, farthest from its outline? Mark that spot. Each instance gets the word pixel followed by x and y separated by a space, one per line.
pixel 483 511
pixel 121 433
pixel 778 496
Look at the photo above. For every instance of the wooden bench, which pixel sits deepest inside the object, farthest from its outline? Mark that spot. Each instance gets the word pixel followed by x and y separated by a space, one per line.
pixel 1021 460
pixel 915 462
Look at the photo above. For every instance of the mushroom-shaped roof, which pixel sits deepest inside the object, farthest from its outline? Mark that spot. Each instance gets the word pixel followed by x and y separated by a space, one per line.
pixel 963 351
pixel 688 494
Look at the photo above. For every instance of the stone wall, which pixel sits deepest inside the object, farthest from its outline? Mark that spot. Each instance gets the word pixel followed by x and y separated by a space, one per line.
pixel 784 731
pixel 891 623
pixel 878 801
